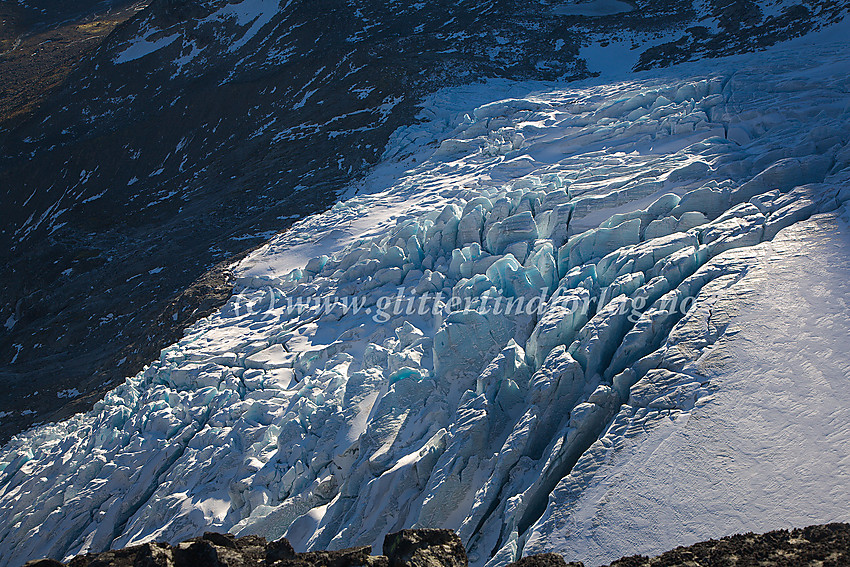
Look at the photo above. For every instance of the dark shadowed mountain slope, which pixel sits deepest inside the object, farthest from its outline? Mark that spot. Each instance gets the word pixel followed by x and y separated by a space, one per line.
pixel 40 46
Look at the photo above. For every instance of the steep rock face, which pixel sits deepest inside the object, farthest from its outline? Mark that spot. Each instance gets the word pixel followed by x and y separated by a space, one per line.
pixel 199 128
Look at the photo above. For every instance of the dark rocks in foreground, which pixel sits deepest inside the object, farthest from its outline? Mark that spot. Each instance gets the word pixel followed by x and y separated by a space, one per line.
pixel 545 560
pixel 407 548
pixel 425 548
pixel 823 546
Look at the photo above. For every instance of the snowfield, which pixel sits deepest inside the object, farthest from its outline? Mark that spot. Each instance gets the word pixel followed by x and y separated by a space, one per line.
pixel 683 374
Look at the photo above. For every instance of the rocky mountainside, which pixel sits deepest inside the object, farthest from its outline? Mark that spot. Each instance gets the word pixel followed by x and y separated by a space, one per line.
pixel 815 546
pixel 39 47
pixel 198 129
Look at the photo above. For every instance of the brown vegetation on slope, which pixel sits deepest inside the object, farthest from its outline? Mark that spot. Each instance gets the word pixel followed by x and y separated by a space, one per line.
pixel 35 59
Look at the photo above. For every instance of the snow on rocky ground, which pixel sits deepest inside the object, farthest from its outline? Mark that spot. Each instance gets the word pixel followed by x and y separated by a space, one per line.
pixel 679 244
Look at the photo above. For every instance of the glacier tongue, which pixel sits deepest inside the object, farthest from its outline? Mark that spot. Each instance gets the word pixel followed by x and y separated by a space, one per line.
pixel 494 340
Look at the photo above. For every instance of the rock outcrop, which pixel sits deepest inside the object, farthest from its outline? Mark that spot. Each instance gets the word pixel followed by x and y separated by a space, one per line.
pixel 827 545
pixel 407 548
pixel 824 546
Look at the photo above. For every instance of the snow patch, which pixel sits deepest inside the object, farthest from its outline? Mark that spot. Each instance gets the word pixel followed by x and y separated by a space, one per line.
pixel 142 47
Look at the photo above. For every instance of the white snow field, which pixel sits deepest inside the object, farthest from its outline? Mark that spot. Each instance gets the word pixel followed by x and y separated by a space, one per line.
pixel 685 378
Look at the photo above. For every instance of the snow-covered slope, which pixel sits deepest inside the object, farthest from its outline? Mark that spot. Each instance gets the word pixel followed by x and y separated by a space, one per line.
pixel 544 330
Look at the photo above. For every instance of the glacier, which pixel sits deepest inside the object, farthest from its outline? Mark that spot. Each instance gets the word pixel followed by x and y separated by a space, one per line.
pixel 670 363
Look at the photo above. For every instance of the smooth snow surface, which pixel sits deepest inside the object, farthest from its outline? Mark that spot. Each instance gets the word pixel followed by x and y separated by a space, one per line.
pixel 681 379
